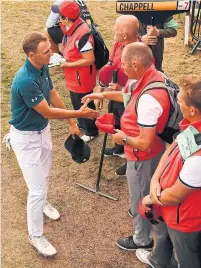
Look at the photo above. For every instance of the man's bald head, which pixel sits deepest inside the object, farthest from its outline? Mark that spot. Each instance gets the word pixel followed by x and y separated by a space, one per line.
pixel 136 58
pixel 138 52
pixel 126 28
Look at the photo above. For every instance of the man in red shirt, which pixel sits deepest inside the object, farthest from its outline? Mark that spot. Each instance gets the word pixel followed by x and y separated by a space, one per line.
pixel 139 127
pixel 125 32
pixel 175 189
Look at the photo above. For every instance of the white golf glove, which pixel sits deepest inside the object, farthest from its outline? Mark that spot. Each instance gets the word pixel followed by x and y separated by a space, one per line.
pixel 6 140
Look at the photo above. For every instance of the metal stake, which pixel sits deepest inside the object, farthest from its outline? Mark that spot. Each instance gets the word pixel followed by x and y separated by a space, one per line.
pixel 96 190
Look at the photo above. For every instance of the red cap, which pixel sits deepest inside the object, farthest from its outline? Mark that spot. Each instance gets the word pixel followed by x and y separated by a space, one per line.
pixel 106 73
pixel 141 210
pixel 68 9
pixel 105 123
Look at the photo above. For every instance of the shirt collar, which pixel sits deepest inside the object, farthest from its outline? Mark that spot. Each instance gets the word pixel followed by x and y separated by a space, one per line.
pixel 151 71
pixel 72 28
pixel 186 123
pixel 33 69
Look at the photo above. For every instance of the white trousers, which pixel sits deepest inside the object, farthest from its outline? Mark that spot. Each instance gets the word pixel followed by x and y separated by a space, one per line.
pixel 33 150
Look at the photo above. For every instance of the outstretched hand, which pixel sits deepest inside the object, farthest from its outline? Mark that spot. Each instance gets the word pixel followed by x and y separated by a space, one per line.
pixel 93 96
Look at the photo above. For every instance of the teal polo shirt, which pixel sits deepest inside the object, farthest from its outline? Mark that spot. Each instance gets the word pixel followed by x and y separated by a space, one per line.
pixel 30 86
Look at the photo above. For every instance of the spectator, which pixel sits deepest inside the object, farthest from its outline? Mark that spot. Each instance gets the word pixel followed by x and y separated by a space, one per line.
pixel 125 32
pixel 154 37
pixel 79 68
pixel 53 30
pixel 32 93
pixel 176 186
pixel 143 148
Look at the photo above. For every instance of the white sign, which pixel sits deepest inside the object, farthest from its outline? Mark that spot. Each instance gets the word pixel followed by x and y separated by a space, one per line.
pixel 183 5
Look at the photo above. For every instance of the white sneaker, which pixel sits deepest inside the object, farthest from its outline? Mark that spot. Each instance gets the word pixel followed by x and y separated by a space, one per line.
pixel 51 212
pixel 120 155
pixel 86 138
pixel 142 256
pixel 42 245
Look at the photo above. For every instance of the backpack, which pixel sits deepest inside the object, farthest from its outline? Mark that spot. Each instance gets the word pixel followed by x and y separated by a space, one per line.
pixel 101 52
pixel 175 115
pixel 84 12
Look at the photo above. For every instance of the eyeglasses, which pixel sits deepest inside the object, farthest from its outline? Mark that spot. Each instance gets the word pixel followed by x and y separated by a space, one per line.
pixel 62 17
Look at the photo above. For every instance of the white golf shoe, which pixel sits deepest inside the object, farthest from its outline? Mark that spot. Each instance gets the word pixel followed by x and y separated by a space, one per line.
pixel 51 212
pixel 142 256
pixel 43 246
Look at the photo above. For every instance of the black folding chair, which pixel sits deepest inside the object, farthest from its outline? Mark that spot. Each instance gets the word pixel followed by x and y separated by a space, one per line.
pixel 195 28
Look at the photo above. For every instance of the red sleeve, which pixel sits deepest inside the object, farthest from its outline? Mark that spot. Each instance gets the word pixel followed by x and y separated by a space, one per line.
pixel 115 46
pixel 91 39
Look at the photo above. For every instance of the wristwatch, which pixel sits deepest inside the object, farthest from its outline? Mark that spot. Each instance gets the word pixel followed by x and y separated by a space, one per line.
pixel 125 139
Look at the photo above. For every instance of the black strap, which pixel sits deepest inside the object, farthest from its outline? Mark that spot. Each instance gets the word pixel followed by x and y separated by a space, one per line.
pixel 77 27
pixel 65 38
pixel 150 86
pixel 198 138
pixel 83 40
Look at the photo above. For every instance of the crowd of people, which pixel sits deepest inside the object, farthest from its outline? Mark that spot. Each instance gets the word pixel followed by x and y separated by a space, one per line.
pixel 164 185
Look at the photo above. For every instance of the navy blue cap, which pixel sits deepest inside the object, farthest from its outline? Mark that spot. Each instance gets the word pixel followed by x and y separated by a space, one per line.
pixel 80 151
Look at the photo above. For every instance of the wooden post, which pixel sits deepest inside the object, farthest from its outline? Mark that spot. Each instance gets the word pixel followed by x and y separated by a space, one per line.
pixel 186 29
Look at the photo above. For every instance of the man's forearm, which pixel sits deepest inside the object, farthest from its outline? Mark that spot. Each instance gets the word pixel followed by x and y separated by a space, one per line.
pixel 113 95
pixel 57 102
pixel 169 197
pixel 144 141
pixel 168 32
pixel 175 194
pixel 57 113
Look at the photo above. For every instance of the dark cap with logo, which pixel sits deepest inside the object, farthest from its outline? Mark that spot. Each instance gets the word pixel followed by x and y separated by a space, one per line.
pixel 80 151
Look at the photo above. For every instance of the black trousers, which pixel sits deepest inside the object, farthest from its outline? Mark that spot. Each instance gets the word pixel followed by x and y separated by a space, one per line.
pixel 87 124
pixel 117 108
pixel 56 34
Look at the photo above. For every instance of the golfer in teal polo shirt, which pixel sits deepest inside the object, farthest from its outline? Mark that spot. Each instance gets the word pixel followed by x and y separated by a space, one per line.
pixel 39 84
pixel 33 102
